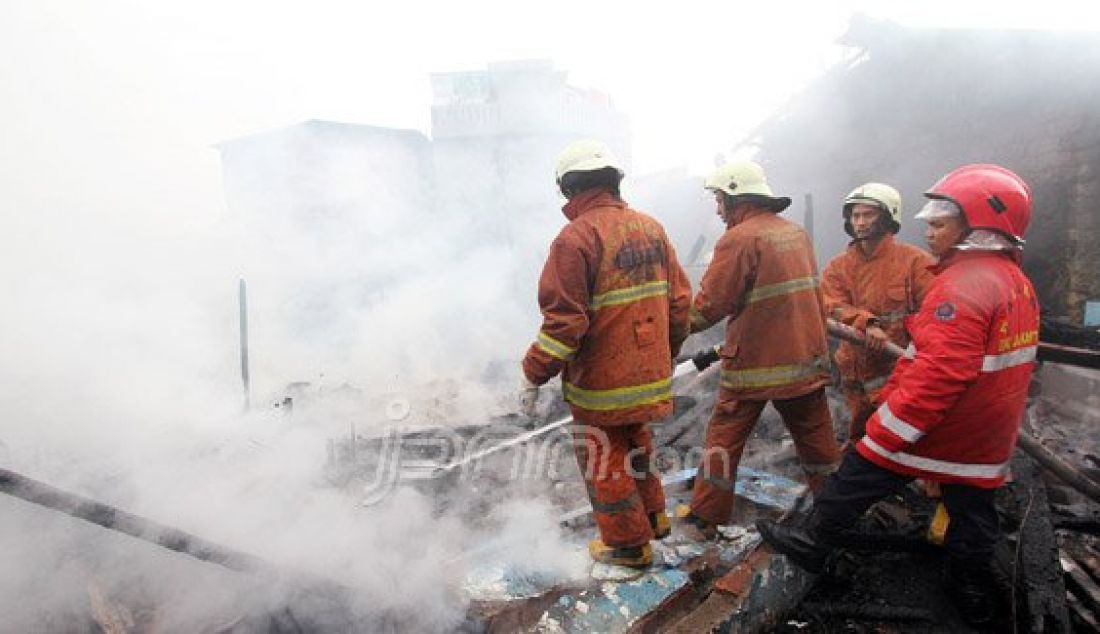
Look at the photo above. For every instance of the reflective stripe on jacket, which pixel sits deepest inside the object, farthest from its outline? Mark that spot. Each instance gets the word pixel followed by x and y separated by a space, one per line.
pixel 615 303
pixel 951 414
pixel 888 285
pixel 764 277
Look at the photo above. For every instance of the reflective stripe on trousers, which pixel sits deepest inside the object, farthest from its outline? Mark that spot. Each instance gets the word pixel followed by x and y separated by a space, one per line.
pixel 629 502
pixel 806 417
pixel 622 496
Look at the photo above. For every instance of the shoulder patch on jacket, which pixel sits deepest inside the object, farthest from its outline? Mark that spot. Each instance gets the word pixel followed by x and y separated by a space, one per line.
pixel 945 311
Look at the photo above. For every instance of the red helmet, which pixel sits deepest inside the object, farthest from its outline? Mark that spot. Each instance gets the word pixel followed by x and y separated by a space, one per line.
pixel 990 196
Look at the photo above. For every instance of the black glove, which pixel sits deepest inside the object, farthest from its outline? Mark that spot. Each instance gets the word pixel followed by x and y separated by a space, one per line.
pixel 704 359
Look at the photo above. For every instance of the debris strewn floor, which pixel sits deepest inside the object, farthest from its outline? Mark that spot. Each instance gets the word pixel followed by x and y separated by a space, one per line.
pixel 619 599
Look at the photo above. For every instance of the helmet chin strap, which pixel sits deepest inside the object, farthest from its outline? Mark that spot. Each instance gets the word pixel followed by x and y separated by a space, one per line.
pixel 732 216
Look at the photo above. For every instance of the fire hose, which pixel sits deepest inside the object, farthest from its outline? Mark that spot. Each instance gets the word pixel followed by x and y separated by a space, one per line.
pixel 116 519
pixel 684 365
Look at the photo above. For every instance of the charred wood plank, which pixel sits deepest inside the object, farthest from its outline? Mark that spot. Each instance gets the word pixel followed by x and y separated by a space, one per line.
pixel 115 519
pixel 1079 583
pixel 753 597
pixel 1084 617
pixel 1084 556
pixel 868 612
pixel 1088 525
pixel 1067 355
pixel 1066 472
pixel 1039 589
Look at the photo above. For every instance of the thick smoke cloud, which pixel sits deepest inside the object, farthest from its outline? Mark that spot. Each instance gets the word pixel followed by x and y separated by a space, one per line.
pixel 120 383
pixel 119 269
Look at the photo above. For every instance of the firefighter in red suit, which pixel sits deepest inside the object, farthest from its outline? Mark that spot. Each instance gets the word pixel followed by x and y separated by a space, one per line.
pixel 950 414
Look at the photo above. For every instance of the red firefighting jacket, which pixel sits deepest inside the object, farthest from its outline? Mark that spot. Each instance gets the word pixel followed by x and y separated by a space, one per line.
pixel 615 304
pixel 887 285
pixel 951 414
pixel 764 277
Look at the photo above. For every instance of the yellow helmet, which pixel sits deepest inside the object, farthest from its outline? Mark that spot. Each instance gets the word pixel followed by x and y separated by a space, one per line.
pixel 879 195
pixel 585 156
pixel 744 178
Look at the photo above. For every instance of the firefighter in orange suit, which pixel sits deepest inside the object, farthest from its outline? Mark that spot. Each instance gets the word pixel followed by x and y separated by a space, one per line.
pixel 615 306
pixel 763 276
pixel 951 413
pixel 872 286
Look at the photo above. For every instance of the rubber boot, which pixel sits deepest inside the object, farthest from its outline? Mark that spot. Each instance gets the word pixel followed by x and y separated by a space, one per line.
pixel 969 589
pixel 661 525
pixel 800 545
pixel 694 527
pixel 816 482
pixel 630 556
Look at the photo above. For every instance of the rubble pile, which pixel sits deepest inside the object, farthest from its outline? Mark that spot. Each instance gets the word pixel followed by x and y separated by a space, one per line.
pixel 888 580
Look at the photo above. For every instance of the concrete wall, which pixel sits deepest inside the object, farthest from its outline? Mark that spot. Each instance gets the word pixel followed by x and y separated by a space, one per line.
pixel 318 177
pixel 311 206
pixel 496 136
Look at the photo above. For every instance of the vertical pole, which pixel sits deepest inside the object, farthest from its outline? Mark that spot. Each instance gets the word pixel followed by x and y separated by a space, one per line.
pixel 245 380
pixel 808 219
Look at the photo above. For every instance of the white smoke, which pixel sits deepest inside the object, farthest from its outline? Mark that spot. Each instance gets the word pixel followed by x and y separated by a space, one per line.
pixel 119 382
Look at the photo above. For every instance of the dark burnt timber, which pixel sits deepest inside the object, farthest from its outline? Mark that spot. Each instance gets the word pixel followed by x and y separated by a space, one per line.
pixel 118 520
pixel 1066 333
pixel 899 589
pixel 866 612
pixel 1066 472
pixel 1079 525
pixel 313 603
pixel 1080 357
pixel 1034 568
pixel 1081 561
pixel 893 582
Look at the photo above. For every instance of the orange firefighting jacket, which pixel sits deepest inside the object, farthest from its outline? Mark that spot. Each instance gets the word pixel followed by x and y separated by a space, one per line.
pixel 764 277
pixel 952 413
pixel 887 285
pixel 615 303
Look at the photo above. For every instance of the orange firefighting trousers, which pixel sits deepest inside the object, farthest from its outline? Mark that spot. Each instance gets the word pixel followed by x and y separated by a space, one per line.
pixel 861 404
pixel 807 417
pixel 622 486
